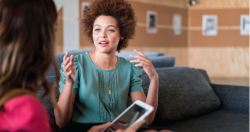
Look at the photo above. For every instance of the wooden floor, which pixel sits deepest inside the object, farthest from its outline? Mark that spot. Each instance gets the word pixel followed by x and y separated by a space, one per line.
pixel 231 81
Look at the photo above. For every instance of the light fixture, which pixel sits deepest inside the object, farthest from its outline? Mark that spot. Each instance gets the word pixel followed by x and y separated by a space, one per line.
pixel 192 2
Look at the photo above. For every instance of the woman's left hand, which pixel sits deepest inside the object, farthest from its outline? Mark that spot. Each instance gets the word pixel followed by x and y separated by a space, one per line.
pixel 143 61
pixel 99 128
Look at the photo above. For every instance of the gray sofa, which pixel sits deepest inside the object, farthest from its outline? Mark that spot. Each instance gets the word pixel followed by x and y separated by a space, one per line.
pixel 188 101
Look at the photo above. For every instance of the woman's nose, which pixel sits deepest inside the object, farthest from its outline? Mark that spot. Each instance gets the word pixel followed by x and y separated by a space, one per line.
pixel 102 35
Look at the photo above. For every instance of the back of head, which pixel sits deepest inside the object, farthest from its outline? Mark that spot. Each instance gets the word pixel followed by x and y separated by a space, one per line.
pixel 26 44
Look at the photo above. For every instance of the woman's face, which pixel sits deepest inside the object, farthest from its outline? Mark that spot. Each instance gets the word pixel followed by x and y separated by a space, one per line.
pixel 106 34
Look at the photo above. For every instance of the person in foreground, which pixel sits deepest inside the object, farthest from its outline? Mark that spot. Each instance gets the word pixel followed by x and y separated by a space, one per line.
pixel 26 53
pixel 95 86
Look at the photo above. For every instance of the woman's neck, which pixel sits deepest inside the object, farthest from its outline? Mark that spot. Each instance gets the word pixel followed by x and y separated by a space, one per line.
pixel 104 60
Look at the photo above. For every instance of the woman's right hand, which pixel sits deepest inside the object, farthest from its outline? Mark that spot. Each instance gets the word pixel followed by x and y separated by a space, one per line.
pixel 69 68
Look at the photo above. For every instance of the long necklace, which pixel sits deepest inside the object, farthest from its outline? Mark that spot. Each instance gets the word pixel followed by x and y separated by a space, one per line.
pixel 104 79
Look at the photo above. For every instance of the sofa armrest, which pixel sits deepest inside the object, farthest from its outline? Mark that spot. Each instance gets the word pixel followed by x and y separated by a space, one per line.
pixel 233 98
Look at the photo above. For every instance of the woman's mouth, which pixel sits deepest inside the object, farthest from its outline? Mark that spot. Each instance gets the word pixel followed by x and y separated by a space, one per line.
pixel 103 43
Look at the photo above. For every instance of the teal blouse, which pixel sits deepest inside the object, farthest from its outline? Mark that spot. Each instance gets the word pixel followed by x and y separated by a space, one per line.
pixel 93 104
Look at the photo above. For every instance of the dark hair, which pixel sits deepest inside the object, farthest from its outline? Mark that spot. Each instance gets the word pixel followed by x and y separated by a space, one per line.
pixel 120 10
pixel 26 47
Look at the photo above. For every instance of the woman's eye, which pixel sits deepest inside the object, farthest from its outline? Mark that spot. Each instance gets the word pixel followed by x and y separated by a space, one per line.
pixel 111 30
pixel 97 29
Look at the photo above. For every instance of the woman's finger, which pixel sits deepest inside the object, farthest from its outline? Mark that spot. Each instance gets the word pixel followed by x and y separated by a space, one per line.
pixel 72 59
pixel 139 57
pixel 67 66
pixel 65 56
pixel 142 64
pixel 66 61
pixel 139 52
pixel 68 73
pixel 135 61
pixel 136 126
pixel 138 61
pixel 139 65
pixel 103 126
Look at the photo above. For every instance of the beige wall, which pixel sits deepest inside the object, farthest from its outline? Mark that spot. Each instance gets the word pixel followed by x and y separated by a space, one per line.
pixel 224 55
pixel 59 32
pixel 164 40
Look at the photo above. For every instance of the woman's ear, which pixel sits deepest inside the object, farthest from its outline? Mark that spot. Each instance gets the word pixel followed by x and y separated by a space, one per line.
pixel 121 38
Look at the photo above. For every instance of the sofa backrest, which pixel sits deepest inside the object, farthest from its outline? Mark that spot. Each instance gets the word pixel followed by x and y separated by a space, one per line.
pixel 158 62
pixel 59 60
pixel 125 54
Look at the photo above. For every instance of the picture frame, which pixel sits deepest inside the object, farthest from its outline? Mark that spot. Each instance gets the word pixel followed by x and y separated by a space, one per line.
pixel 151 22
pixel 209 25
pixel 244 24
pixel 84 5
pixel 177 24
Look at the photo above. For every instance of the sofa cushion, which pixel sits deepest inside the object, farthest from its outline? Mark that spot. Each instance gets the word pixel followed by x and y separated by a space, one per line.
pixel 183 93
pixel 218 121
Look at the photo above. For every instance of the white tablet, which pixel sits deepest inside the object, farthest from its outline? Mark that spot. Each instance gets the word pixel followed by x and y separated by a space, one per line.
pixel 133 114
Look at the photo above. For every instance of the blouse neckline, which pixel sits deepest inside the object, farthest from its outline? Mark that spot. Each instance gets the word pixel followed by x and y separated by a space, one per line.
pixel 92 63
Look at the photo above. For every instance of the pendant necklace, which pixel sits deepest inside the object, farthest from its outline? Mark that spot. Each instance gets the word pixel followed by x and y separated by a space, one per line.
pixel 104 79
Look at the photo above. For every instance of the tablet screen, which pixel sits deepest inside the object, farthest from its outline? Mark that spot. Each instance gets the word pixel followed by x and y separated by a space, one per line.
pixel 128 118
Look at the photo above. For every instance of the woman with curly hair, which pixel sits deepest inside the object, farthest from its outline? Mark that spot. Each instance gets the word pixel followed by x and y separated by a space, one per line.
pixel 95 86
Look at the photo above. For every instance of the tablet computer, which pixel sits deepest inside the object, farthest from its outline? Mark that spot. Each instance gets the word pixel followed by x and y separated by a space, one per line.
pixel 133 114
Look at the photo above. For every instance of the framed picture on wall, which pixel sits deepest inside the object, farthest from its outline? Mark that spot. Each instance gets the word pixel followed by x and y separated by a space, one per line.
pixel 209 25
pixel 151 22
pixel 244 24
pixel 84 5
pixel 177 24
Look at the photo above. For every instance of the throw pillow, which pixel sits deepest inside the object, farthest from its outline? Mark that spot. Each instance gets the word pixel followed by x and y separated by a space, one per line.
pixel 183 93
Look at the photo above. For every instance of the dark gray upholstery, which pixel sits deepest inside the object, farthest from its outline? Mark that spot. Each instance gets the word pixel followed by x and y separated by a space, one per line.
pixel 234 98
pixel 218 121
pixel 47 103
pixel 204 74
pixel 171 68
pixel 183 93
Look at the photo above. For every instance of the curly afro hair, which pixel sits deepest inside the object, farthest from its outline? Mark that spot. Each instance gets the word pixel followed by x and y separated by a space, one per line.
pixel 120 10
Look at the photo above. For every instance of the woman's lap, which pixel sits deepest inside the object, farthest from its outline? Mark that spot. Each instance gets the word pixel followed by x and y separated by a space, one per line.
pixel 82 127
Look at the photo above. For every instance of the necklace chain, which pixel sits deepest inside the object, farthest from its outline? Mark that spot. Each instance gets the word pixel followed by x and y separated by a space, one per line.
pixel 104 79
